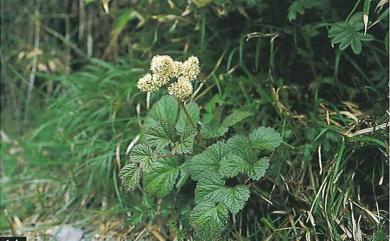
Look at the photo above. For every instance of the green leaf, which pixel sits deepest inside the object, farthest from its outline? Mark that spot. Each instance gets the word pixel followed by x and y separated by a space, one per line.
pixel 265 138
pixel 186 143
pixel 257 170
pixel 166 109
pixel 356 46
pixel 209 219
pixel 130 175
pixel 163 177
pixel 349 33
pixel 208 160
pixel 144 155
pixel 236 197
pixel 210 188
pixel 233 165
pixel 299 7
pixel 241 146
pixel 183 177
pixel 183 122
pixel 161 134
pixel 213 130
pixel 213 189
pixel 235 117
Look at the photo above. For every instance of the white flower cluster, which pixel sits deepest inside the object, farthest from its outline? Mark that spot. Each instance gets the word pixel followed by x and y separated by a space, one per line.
pixel 164 71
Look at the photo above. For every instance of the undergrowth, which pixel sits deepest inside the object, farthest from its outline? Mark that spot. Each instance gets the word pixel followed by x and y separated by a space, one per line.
pixel 314 71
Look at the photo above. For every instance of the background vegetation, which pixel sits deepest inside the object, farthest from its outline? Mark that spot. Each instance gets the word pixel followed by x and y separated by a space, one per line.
pixel 316 71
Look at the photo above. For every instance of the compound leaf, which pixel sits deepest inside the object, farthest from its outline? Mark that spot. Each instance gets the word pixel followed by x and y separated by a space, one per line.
pixel 349 33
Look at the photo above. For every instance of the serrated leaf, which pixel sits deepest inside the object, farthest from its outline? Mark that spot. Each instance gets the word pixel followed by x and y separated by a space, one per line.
pixel 165 109
pixel 161 134
pixel 235 117
pixel 236 197
pixel 257 170
pixel 163 177
pixel 142 154
pixel 210 188
pixel 186 143
pixel 241 146
pixel 130 175
pixel 348 33
pixel 213 130
pixel 183 122
pixel 208 160
pixel 209 219
pixel 232 165
pixel 265 138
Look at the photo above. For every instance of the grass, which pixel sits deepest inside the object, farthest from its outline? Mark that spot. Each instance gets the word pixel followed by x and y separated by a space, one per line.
pixel 64 147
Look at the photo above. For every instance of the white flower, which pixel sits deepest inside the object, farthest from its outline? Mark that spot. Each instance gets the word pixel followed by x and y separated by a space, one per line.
pixel 190 68
pixel 181 90
pixel 146 84
pixel 163 66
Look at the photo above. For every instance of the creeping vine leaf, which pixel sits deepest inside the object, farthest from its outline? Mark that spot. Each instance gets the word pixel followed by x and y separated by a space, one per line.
pixel 163 177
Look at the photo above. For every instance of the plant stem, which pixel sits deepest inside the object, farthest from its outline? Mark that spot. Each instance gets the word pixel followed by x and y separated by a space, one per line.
pixel 187 115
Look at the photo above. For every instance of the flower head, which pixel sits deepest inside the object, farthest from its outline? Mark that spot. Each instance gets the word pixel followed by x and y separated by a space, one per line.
pixel 181 90
pixel 146 84
pixel 190 68
pixel 164 70
pixel 163 66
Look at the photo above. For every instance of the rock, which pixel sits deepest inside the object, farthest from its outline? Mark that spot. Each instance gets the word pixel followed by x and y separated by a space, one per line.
pixel 69 233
